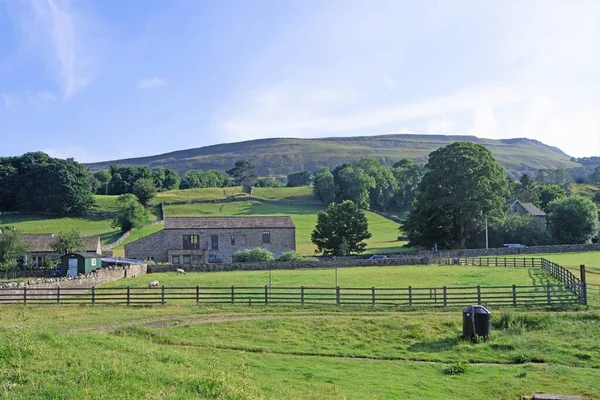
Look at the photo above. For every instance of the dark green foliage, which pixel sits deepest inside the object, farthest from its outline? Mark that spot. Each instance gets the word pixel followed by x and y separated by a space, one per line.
pixel 558 177
pixel 243 172
pixel 257 254
pixel 124 178
pixel 573 219
pixel 323 186
pixel 68 242
pixel 515 228
pixel 36 182
pixel 548 193
pixel 12 245
pixel 595 177
pixel 103 178
pixel 290 256
pixel 165 179
pixel 408 176
pixel 268 182
pixel 462 184
pixel 386 185
pixel 131 214
pixel 354 184
pixel 526 191
pixel 144 190
pixel 519 323
pixel 341 229
pixel 204 179
pixel 302 178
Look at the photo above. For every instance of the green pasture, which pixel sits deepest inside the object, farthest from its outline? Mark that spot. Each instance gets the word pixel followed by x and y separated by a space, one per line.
pixel 384 231
pixel 190 352
pixel 303 193
pixel 401 276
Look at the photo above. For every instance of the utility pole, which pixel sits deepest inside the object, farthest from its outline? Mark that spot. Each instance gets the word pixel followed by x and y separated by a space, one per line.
pixel 486 233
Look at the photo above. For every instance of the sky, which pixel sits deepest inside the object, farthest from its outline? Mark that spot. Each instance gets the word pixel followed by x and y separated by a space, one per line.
pixel 104 80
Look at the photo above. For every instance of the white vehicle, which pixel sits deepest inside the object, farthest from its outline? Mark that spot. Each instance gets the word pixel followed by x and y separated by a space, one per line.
pixel 515 246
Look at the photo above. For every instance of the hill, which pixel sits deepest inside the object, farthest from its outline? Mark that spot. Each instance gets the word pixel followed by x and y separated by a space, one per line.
pixel 282 156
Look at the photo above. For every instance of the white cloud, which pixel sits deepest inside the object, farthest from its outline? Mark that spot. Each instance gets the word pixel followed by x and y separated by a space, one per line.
pixel 57 28
pixel 151 83
pixel 80 154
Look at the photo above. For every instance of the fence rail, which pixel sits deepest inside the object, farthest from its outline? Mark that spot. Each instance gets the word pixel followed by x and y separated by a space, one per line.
pixel 443 296
pixel 513 262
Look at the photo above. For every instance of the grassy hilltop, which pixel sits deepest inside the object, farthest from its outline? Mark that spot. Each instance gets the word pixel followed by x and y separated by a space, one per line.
pixel 282 156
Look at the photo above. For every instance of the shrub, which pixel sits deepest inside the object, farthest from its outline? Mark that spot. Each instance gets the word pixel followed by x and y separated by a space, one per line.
pixel 290 256
pixel 257 254
pixel 456 368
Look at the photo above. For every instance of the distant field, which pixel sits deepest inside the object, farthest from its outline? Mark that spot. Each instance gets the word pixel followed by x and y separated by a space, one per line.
pixel 105 203
pixel 385 232
pixel 303 193
pixel 584 189
pixel 402 276
pixel 191 352
pixel 41 224
pixel 119 251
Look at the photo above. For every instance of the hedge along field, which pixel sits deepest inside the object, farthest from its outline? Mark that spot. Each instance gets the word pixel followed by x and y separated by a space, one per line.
pixel 384 231
pixel 404 276
pixel 189 352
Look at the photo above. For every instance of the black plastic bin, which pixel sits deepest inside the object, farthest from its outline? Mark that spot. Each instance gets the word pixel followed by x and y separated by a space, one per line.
pixel 477 320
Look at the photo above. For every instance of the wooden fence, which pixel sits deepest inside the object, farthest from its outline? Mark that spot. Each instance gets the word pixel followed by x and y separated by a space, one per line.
pixel 513 262
pixel 541 295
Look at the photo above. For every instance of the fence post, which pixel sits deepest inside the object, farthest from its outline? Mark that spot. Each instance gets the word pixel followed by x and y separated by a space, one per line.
pixel 373 296
pixel 583 295
pixel 232 295
pixel 24 294
pixel 197 294
pixel 162 295
pixel 93 295
pixel 266 294
pixel 548 292
pixel 410 296
pixel 514 295
pixel 58 295
pixel 301 295
pixel 337 295
pixel 128 294
pixel 478 294
pixel 445 297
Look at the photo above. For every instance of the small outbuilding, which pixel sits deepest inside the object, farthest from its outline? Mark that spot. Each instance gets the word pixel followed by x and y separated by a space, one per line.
pixel 80 263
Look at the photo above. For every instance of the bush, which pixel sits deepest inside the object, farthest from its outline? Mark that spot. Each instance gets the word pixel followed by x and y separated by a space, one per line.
pixel 290 256
pixel 456 368
pixel 257 254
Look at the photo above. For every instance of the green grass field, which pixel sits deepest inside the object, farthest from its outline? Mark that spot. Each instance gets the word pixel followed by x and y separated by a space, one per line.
pixel 384 231
pixel 404 276
pixel 190 352
pixel 303 193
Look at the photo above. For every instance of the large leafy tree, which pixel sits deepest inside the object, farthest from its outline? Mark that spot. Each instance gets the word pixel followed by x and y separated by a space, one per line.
pixel 12 246
pixel 408 176
pixel 203 179
pixel 243 172
pixel 144 190
pixel 124 178
pixel 548 193
pixel 526 190
pixel 301 178
pixel 341 230
pixel 103 177
pixel 353 183
pixel 323 186
pixel 386 186
pixel 68 242
pixel 573 220
pixel 463 184
pixel 131 214
pixel 171 181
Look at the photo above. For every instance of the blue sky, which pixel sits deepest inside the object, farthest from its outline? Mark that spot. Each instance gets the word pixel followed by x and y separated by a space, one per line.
pixel 112 79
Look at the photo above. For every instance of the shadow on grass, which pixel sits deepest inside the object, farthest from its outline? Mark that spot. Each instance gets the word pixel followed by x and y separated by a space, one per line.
pixel 539 277
pixel 435 346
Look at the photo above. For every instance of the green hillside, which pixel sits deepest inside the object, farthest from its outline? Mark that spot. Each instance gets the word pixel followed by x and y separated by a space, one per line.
pixel 282 156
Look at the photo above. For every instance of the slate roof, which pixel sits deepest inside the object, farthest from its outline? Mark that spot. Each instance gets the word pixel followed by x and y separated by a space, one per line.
pixel 85 255
pixel 228 222
pixel 42 242
pixel 528 207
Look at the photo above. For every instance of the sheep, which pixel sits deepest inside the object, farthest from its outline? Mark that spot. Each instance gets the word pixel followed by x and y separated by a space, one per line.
pixel 180 271
pixel 153 284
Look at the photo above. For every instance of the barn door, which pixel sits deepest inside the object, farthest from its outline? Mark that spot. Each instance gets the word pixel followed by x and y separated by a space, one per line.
pixel 72 267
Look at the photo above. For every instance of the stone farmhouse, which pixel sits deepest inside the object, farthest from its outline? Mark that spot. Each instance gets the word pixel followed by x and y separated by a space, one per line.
pixel 528 209
pixel 40 247
pixel 201 240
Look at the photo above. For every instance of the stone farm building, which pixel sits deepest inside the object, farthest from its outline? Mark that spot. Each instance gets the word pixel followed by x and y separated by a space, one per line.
pixel 200 240
pixel 40 247
pixel 530 210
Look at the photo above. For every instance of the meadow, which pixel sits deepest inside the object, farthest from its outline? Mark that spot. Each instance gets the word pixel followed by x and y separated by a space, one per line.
pixel 190 352
pixel 301 193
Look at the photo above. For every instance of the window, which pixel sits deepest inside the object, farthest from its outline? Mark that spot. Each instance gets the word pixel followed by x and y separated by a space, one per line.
pixel 233 240
pixel 175 260
pixel 93 262
pixel 214 242
pixel 266 236
pixel 187 259
pixel 191 242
